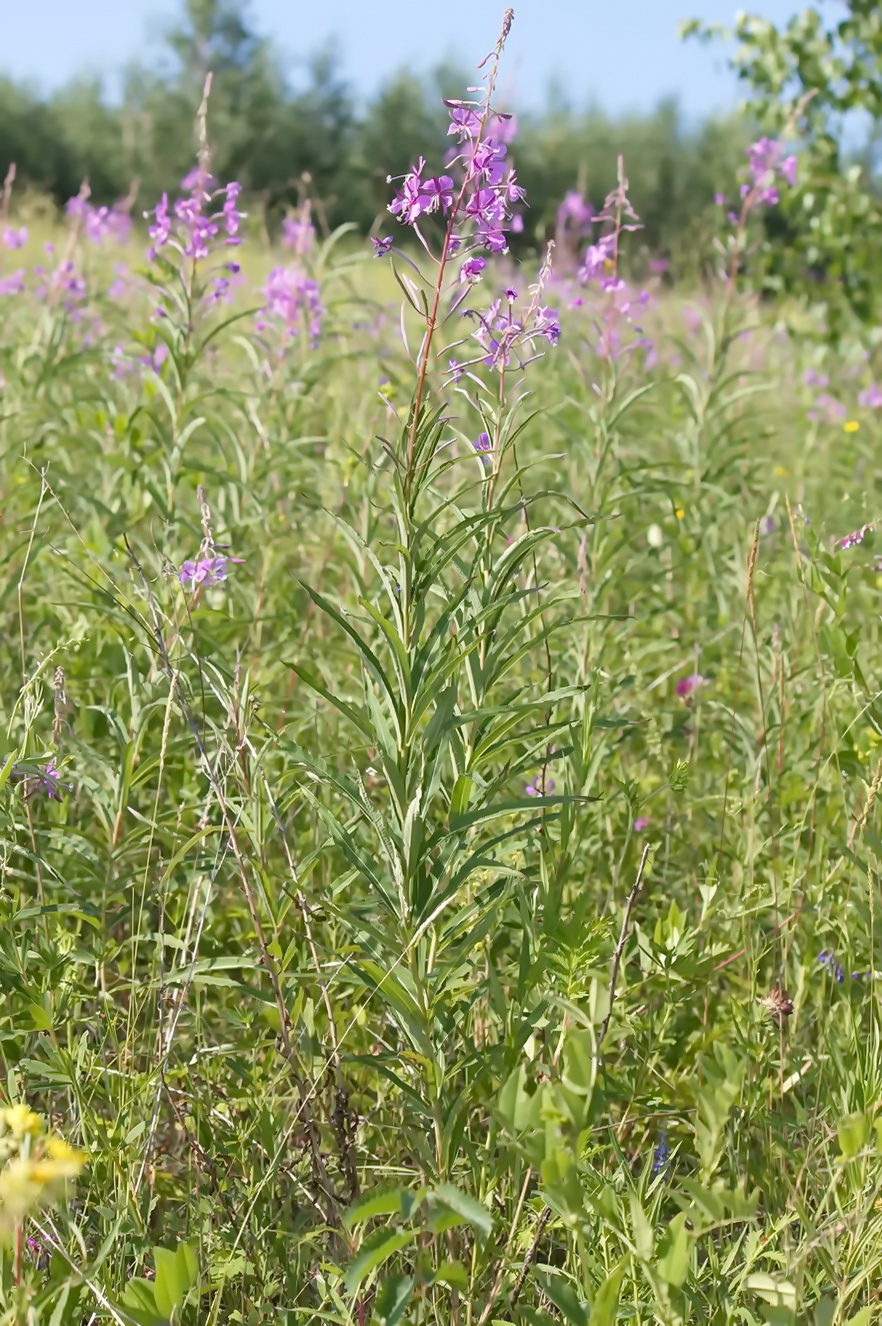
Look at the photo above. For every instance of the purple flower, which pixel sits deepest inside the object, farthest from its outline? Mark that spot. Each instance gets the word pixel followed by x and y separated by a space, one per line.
pixel 641 823
pixel 298 233
pixel 156 359
pixel 827 409
pixel 232 215
pixel 687 686
pixel 206 571
pixel 871 399
pixel 852 540
pixel 160 230
pixel 488 161
pixel 410 200
pixel 661 1154
pixel 547 325
pixel 381 246
pixel 812 378
pixel 766 165
pixel 575 209
pixel 720 199
pixel 13 284
pixel 504 128
pixel 535 788
pixel 482 442
pixel 193 229
pixel 48 781
pixel 658 266
pixel 15 239
pixel 597 259
pixel 40 1247
pixel 293 300
pixel 438 191
pixel 465 121
pixel 471 270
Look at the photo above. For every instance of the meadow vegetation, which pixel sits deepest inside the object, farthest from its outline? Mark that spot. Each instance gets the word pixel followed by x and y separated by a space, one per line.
pixel 440 833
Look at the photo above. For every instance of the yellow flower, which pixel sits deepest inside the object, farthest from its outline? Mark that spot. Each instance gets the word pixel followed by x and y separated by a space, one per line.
pixel 680 513
pixel 65 1161
pixel 780 472
pixel 23 1122
pixel 19 1192
pixel 27 1183
pixel 851 426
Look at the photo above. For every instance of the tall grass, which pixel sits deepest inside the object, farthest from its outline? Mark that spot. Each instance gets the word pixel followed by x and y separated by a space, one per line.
pixel 424 924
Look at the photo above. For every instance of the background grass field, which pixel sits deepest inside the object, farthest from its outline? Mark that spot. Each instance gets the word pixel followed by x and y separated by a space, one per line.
pixel 312 949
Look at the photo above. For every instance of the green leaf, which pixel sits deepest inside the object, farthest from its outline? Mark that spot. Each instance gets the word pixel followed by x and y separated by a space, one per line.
pixel 675 1252
pixel 854 1135
pixel 375 1204
pixel 642 1230
pixel 139 1301
pixel 472 1211
pixel 392 1299
pixel 564 1298
pixel 376 1249
pixel 604 1309
pixel 773 1289
pixel 176 1274
pixel 453 1274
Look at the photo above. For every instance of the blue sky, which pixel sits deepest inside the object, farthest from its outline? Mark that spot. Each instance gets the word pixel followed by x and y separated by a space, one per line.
pixel 623 53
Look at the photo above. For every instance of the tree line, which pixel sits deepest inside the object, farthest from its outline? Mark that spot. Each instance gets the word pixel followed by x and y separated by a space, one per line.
pixel 283 137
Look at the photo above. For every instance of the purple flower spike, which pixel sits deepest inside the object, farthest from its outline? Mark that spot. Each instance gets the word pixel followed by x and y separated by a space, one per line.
pixel 687 686
pixel 852 540
pixel 661 1155
pixel 381 246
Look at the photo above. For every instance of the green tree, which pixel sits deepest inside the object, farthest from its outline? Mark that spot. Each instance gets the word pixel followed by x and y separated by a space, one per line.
pixel 815 79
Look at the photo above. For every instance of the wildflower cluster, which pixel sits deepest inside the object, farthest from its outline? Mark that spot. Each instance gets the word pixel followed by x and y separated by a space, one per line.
pixel 293 306
pixel 298 232
pixel 36 1166
pixel 206 219
pixel 500 330
pixel 767 168
pixel 600 269
pixel 828 960
pixel 479 206
pixel 100 223
pixel 856 537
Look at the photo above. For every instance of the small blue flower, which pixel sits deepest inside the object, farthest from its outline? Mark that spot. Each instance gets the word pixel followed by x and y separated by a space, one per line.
pixel 661 1155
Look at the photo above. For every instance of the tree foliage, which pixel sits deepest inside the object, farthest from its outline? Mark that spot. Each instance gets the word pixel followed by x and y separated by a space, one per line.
pixel 284 132
pixel 818 79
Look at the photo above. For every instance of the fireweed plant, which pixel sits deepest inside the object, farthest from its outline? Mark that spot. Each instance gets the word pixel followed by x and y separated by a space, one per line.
pixel 439 810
